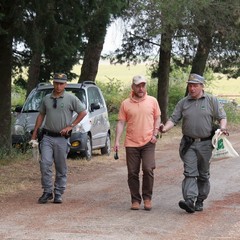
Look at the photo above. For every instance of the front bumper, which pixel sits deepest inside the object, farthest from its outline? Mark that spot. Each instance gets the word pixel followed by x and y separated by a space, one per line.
pixel 78 142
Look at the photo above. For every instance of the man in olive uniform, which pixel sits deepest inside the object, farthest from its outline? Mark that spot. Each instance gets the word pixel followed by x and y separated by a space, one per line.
pixel 198 110
pixel 56 109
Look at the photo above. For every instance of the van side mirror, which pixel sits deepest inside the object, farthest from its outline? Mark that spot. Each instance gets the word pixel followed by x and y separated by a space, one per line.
pixel 18 109
pixel 95 106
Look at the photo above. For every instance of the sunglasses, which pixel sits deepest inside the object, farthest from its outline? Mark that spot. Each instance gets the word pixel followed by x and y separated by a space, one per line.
pixel 54 102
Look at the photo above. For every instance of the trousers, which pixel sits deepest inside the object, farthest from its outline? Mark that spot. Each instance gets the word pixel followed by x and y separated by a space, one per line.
pixel 54 150
pixel 196 161
pixel 136 157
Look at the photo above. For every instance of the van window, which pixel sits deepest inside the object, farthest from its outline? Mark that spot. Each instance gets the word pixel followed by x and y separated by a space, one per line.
pixel 95 97
pixel 34 101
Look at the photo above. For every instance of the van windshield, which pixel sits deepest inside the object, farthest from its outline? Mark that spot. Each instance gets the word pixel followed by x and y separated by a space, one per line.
pixel 34 100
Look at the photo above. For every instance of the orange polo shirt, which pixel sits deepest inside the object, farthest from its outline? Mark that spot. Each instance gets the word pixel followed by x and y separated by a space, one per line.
pixel 139 117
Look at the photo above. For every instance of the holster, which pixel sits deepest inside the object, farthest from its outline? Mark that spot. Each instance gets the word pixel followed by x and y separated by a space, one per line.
pixel 40 134
pixel 185 145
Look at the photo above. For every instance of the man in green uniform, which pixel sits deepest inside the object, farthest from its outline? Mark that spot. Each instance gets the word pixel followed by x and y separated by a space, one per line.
pixel 56 109
pixel 198 110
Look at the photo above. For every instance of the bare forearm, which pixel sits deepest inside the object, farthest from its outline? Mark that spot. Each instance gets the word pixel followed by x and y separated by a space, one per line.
pixel 168 125
pixel 38 124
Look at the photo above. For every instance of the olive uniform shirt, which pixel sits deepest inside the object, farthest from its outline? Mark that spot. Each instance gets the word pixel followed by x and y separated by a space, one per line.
pixel 60 117
pixel 198 115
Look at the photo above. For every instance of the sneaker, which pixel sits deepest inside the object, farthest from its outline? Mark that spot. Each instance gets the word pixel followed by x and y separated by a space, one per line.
pixel 57 198
pixel 199 205
pixel 187 205
pixel 135 206
pixel 147 204
pixel 45 197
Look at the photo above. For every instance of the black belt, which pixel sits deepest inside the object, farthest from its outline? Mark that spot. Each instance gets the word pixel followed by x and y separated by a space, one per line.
pixel 51 134
pixel 201 139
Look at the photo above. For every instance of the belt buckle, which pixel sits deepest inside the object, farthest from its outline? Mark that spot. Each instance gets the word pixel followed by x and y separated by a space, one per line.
pixel 197 140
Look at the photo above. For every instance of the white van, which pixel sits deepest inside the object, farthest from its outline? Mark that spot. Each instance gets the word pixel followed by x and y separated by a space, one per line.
pixel 92 133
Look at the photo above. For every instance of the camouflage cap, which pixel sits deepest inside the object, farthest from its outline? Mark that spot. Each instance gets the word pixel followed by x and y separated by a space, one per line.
pixel 60 78
pixel 195 78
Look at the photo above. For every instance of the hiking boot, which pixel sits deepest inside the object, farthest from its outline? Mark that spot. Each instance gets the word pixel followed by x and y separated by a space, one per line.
pixel 45 197
pixel 187 205
pixel 199 205
pixel 57 198
pixel 147 204
pixel 135 206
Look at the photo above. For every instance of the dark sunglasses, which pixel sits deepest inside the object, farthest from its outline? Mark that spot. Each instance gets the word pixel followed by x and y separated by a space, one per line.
pixel 54 103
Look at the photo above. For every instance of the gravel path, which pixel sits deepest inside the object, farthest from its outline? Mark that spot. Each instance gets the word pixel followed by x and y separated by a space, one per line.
pixel 97 202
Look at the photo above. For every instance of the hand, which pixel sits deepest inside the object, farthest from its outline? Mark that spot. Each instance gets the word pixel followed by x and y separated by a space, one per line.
pixel 224 131
pixel 161 128
pixel 66 131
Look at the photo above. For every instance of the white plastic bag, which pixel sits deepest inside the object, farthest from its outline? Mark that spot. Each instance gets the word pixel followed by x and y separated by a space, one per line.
pixel 223 149
pixel 35 151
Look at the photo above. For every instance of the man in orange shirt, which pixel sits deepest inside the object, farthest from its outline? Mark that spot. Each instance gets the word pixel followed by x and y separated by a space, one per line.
pixel 141 115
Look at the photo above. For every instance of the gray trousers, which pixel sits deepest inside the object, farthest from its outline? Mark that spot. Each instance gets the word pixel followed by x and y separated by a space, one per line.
pixel 137 156
pixel 54 150
pixel 196 183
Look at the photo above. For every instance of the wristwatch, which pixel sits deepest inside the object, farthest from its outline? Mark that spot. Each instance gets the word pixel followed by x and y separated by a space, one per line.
pixel 72 125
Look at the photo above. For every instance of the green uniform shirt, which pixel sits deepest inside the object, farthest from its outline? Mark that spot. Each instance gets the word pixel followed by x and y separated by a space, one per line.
pixel 60 117
pixel 198 115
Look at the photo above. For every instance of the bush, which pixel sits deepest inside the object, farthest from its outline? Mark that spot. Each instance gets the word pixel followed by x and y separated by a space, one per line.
pixel 17 96
pixel 233 113
pixel 114 92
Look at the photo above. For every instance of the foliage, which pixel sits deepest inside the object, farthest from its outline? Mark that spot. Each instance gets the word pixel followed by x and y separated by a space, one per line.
pixel 17 96
pixel 233 112
pixel 196 21
pixel 114 92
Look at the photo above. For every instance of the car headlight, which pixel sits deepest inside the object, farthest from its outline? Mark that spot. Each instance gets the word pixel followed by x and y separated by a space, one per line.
pixel 78 128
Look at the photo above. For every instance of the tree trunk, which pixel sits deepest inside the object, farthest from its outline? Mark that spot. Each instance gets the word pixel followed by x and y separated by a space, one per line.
pixel 91 60
pixel 34 71
pixel 163 74
pixel 200 59
pixel 203 49
pixel 5 91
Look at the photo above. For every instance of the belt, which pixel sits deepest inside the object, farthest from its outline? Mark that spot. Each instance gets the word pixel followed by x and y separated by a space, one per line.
pixel 51 134
pixel 201 139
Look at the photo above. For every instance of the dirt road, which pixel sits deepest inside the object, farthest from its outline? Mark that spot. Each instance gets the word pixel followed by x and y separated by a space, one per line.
pixel 97 202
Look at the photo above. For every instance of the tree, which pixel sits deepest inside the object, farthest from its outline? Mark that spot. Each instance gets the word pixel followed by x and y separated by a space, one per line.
pixel 9 12
pixel 194 27
pixel 53 38
pixel 99 15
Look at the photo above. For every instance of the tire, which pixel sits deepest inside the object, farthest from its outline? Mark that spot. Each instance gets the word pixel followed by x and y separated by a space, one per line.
pixel 88 150
pixel 106 150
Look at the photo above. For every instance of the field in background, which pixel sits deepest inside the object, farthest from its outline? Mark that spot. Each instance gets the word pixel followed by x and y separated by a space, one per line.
pixel 228 87
pixel 123 73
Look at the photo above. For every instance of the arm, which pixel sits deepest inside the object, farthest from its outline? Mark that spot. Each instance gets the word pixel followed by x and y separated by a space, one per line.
pixel 38 124
pixel 119 131
pixel 157 124
pixel 80 116
pixel 223 126
pixel 168 125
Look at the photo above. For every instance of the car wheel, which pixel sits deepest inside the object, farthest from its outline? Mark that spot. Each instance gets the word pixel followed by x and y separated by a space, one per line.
pixel 88 150
pixel 107 148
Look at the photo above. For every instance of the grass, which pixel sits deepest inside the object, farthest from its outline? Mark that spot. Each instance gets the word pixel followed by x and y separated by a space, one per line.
pixel 220 86
pixel 122 73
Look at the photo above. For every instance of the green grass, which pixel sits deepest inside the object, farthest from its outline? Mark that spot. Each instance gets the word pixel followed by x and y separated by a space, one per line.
pixel 122 73
pixel 220 86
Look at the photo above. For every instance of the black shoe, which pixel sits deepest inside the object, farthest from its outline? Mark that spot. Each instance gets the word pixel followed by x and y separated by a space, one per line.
pixel 187 205
pixel 199 205
pixel 57 198
pixel 45 197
